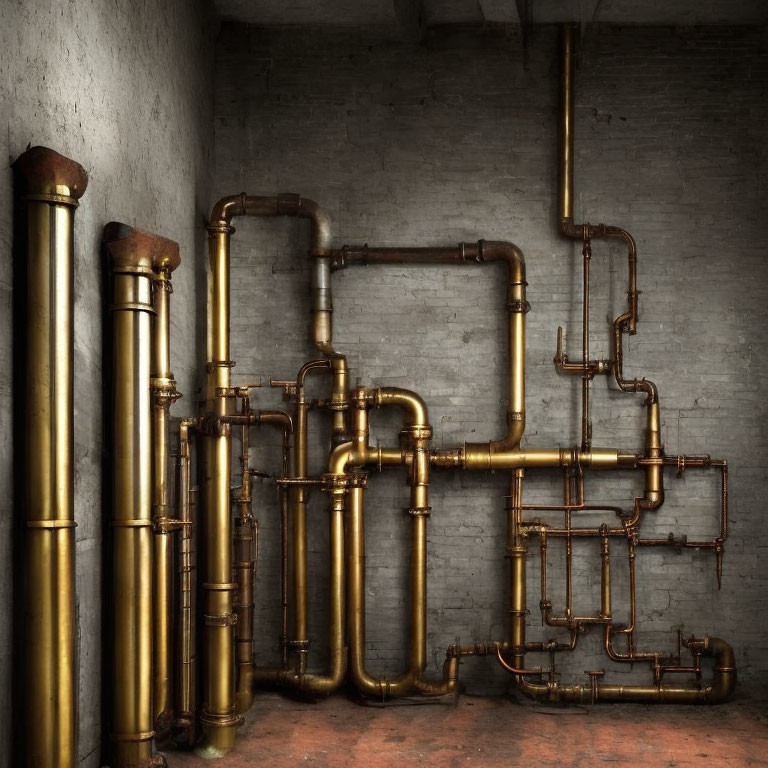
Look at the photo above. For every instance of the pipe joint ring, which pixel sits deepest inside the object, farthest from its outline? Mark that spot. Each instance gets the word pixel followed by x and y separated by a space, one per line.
pixel 211 366
pixel 419 511
pixel 53 198
pixel 220 228
pixel 332 483
pixel 358 479
pixel 416 432
pixel 298 645
pixel 50 524
pixel 133 737
pixel 220 721
pixel 220 620
pixel 133 306
pixel 227 586
pixel 520 306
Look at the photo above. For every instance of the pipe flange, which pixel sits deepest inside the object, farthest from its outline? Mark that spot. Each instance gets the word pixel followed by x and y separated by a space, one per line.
pixel 519 306
pixel 416 432
pixel 220 721
pixel 331 482
pixel 220 620
pixel 358 479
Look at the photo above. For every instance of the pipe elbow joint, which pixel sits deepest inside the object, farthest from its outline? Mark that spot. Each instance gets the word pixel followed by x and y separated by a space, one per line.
pixel 226 209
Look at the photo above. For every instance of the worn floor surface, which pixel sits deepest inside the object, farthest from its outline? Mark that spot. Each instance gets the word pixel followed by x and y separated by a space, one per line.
pixel 491 732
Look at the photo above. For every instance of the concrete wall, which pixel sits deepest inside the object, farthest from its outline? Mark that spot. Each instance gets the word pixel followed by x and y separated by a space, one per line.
pixel 456 140
pixel 126 90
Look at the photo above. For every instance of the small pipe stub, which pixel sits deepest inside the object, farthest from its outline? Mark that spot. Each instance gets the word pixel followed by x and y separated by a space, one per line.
pixel 42 171
pixel 131 248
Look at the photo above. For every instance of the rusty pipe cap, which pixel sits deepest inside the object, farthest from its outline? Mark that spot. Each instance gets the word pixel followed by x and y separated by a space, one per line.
pixel 42 171
pixel 129 247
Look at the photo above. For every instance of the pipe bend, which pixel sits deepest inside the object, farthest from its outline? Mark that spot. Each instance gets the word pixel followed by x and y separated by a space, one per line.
pixel 342 456
pixel 280 419
pixel 499 250
pixel 413 404
pixel 321 225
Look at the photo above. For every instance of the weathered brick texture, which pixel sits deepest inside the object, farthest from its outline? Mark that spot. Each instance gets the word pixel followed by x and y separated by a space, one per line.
pixel 455 140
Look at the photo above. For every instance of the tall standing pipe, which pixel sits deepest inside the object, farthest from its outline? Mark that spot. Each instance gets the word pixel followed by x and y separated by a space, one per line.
pixel 50 185
pixel 164 394
pixel 135 258
pixel 219 718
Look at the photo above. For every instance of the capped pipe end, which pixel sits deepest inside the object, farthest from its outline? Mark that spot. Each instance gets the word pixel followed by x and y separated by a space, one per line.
pixel 43 171
pixel 131 247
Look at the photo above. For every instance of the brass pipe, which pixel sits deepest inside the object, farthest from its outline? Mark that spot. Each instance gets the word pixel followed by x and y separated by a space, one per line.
pixel 299 643
pixel 244 550
pixel 186 656
pixel 566 129
pixel 415 437
pixel 134 256
pixel 303 683
pixel 473 253
pixel 245 546
pixel 50 186
pixel 284 422
pixel 163 388
pixel 218 717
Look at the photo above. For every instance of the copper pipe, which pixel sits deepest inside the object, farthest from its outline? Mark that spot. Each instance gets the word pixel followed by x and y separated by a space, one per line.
pixel 299 643
pixel 50 186
pixel 244 551
pixel 186 656
pixel 163 388
pixel 134 256
pixel 473 253
pixel 245 546
pixel 303 683
pixel 415 436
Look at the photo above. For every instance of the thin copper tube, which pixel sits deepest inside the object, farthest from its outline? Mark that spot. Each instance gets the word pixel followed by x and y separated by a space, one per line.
pixel 186 643
pixel 245 545
pixel 135 257
pixel 50 186
pixel 517 306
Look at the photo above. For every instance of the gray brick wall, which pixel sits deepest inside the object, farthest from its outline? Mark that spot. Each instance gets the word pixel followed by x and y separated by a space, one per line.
pixel 455 140
pixel 126 90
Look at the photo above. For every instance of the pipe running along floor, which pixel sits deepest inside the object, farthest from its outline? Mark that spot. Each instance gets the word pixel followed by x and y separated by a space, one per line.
pixel 494 732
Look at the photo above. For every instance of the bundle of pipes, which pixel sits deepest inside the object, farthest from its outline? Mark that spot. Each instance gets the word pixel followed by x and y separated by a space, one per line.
pixel 153 654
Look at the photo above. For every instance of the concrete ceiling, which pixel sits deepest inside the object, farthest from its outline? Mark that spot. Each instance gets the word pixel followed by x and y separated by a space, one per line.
pixel 410 15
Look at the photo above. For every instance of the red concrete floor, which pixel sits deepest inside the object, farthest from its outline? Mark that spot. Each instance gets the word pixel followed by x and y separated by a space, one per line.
pixel 493 732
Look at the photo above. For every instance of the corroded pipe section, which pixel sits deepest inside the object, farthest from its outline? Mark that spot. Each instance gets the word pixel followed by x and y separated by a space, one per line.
pixel 50 186
pixel 134 258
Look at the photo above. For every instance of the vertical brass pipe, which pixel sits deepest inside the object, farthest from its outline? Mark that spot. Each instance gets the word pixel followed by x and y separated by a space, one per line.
pixel 300 640
pixel 134 255
pixel 163 395
pixel 186 677
pixel 50 185
pixel 218 718
pixel 566 130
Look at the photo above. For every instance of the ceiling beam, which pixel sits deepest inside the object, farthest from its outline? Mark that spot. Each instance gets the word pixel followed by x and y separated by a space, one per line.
pixel 410 18
pixel 502 11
